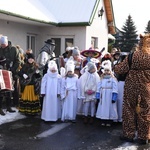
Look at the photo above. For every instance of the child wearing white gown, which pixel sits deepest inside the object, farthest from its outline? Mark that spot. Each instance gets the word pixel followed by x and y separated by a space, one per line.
pixel 107 91
pixel 88 86
pixel 50 90
pixel 69 93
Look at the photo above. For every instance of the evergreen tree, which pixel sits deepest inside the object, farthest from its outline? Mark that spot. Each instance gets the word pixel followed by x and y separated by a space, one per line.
pixel 147 29
pixel 127 38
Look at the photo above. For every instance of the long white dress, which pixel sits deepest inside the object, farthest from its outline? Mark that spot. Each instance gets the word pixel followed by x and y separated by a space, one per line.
pixel 87 82
pixel 69 97
pixel 106 109
pixel 120 99
pixel 50 86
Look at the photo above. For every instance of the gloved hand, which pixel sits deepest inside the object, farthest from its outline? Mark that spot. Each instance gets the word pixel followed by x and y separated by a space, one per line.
pixel 42 95
pixel 97 95
pixel 113 101
pixel 58 95
pixel 25 76
pixel 114 97
pixel 37 71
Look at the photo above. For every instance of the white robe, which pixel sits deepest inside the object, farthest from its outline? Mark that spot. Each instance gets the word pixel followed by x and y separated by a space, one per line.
pixel 87 81
pixel 69 97
pixel 106 109
pixel 50 86
pixel 120 99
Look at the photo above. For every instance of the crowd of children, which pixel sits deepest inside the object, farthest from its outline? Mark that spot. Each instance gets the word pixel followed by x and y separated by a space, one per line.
pixel 92 93
pixel 86 86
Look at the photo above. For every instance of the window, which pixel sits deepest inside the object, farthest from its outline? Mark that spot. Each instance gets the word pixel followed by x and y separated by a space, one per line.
pixel 31 42
pixel 58 46
pixel 68 42
pixel 94 42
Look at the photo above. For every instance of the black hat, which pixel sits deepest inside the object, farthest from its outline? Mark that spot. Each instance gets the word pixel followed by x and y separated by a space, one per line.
pixel 30 55
pixel 50 41
pixel 117 53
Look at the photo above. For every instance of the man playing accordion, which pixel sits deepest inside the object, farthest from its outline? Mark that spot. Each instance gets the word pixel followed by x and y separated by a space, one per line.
pixel 10 62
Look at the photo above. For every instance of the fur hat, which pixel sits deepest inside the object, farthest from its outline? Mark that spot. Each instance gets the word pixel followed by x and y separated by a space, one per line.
pixel 70 66
pixel 3 40
pixel 75 52
pixel 52 65
pixel 106 65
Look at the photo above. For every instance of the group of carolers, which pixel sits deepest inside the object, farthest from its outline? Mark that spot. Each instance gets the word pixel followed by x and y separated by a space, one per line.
pixel 85 86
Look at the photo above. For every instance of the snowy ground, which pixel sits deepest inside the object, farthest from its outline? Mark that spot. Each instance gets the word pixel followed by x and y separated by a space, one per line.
pixel 9 117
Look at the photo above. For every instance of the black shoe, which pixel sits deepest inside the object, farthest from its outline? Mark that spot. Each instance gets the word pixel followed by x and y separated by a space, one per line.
pixel 2 112
pixel 91 120
pixel 143 142
pixel 73 121
pixel 9 109
pixel 123 138
pixel 85 120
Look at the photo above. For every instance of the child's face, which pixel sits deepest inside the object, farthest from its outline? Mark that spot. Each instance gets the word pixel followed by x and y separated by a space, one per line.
pixel 30 60
pixel 107 71
pixel 92 70
pixel 53 70
pixel 76 56
pixel 70 73
pixel 90 54
pixel 117 57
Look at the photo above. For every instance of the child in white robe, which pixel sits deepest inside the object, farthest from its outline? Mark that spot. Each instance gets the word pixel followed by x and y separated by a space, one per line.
pixel 107 90
pixel 88 87
pixel 50 89
pixel 69 93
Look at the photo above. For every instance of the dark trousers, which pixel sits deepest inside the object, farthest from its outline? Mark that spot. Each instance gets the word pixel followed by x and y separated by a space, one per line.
pixel 16 92
pixel 7 97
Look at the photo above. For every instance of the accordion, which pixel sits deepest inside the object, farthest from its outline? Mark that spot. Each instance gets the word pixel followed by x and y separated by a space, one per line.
pixel 6 80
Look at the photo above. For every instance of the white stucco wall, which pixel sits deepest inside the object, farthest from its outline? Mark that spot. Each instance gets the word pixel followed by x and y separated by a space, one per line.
pixel 77 33
pixel 98 29
pixel 17 33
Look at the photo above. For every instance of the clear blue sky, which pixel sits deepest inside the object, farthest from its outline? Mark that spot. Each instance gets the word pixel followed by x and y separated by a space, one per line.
pixel 138 9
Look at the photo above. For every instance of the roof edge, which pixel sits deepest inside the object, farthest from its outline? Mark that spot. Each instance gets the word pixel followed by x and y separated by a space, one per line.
pixel 94 11
pixel 73 24
pixel 26 18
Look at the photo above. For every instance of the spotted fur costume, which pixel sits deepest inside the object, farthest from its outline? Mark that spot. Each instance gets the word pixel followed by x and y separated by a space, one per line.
pixel 137 91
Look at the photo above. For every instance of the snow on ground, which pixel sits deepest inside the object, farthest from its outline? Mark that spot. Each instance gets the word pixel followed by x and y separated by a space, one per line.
pixel 9 117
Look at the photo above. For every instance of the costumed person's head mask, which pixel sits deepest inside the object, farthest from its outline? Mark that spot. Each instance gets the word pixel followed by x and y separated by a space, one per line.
pixel 144 44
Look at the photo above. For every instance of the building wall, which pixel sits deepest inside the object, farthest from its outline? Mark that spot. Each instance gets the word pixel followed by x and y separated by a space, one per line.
pixel 99 30
pixel 77 33
pixel 17 33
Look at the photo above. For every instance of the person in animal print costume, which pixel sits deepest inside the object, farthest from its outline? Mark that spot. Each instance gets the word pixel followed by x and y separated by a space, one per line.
pixel 136 103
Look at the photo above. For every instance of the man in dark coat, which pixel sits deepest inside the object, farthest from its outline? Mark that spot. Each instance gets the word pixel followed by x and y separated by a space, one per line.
pixel 12 64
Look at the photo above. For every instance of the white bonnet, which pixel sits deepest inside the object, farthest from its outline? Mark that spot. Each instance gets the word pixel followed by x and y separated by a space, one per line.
pixel 106 64
pixel 52 65
pixel 70 66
